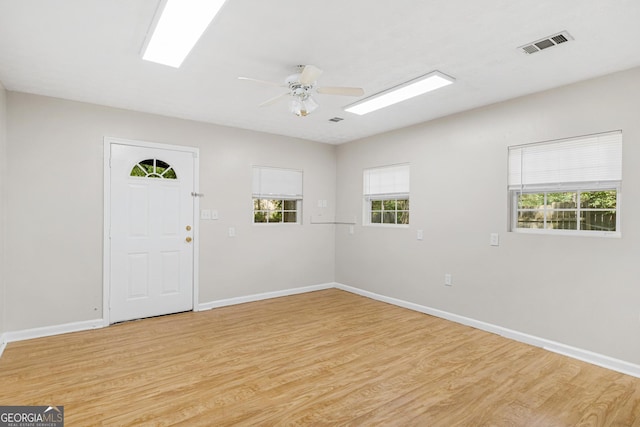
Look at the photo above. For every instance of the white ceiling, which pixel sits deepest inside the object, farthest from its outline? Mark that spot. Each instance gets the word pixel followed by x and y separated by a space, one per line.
pixel 89 50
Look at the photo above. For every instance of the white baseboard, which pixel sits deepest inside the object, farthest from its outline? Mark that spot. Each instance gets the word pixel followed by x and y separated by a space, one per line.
pixel 556 347
pixel 3 343
pixel 47 331
pixel 101 323
pixel 263 296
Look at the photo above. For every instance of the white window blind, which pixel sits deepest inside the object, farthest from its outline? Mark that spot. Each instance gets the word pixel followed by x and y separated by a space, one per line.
pixel 593 159
pixel 274 183
pixel 389 182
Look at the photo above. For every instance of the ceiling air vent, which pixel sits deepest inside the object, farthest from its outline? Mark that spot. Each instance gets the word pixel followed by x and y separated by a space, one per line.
pixel 545 43
pixel 336 119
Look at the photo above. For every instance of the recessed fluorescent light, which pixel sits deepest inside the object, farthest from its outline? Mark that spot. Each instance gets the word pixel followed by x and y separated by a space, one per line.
pixel 415 87
pixel 179 28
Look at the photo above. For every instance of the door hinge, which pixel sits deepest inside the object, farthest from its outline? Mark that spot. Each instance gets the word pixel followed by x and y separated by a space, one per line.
pixel 194 194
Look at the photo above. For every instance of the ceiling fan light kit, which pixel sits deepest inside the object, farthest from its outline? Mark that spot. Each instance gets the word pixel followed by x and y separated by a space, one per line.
pixel 412 88
pixel 300 87
pixel 301 106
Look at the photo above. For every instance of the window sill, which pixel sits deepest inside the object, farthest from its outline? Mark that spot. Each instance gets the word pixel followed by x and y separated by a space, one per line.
pixel 264 224
pixel 605 234
pixel 387 225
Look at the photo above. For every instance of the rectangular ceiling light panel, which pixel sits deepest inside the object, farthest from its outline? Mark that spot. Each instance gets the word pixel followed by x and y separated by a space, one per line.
pixel 179 28
pixel 427 83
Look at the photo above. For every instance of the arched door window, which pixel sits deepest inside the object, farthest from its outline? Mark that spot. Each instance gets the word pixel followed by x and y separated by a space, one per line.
pixel 153 168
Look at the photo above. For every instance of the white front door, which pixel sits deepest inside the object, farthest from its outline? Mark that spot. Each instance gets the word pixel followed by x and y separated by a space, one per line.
pixel 151 231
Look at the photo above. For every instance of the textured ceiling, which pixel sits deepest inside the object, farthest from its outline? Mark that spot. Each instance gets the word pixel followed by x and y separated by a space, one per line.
pixel 90 50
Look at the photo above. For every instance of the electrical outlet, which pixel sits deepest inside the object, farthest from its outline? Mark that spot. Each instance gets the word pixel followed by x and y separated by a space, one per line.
pixel 448 280
pixel 420 235
pixel 351 229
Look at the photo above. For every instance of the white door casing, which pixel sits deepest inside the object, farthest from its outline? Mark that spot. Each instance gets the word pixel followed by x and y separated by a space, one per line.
pixel 151 230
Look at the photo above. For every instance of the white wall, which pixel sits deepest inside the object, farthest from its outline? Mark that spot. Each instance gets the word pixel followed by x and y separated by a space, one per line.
pixel 3 145
pixel 580 291
pixel 55 208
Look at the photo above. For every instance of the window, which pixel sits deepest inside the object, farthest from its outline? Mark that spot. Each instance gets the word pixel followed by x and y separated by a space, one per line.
pixel 567 186
pixel 275 210
pixel 568 210
pixel 277 195
pixel 153 168
pixel 386 195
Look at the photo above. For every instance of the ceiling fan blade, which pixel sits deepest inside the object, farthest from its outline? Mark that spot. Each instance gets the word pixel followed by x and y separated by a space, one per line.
pixel 262 81
pixel 337 90
pixel 274 100
pixel 310 74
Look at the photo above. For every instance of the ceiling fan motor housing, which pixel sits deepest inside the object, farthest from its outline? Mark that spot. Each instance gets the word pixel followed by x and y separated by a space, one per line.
pixel 298 89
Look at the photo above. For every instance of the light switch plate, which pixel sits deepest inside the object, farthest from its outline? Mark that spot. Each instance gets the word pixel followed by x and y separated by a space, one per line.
pixel 448 281
pixel 420 235
pixel 205 214
pixel 494 239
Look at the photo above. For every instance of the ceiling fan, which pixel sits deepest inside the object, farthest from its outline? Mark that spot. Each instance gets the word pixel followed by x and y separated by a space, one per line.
pixel 301 86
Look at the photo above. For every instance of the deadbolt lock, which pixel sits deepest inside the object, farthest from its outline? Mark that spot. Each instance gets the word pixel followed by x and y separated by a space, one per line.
pixel 188 228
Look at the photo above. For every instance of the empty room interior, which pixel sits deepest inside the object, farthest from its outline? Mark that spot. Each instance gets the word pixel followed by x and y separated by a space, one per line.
pixel 321 213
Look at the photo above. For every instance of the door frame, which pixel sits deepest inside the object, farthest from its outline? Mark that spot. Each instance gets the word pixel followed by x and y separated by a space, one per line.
pixel 106 264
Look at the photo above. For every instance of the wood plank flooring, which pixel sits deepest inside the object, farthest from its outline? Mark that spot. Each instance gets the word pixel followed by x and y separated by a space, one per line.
pixel 321 358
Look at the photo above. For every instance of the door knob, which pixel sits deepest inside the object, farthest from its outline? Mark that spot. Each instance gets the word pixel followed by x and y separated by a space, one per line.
pixel 188 239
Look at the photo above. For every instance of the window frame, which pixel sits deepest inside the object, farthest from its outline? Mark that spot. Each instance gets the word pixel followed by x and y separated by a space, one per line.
pixel 376 188
pixel 277 184
pixel 515 210
pixel 369 211
pixel 144 170
pixel 581 164
pixel 298 211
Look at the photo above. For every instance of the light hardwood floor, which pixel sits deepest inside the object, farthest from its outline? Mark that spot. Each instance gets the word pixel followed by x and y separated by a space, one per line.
pixel 322 358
